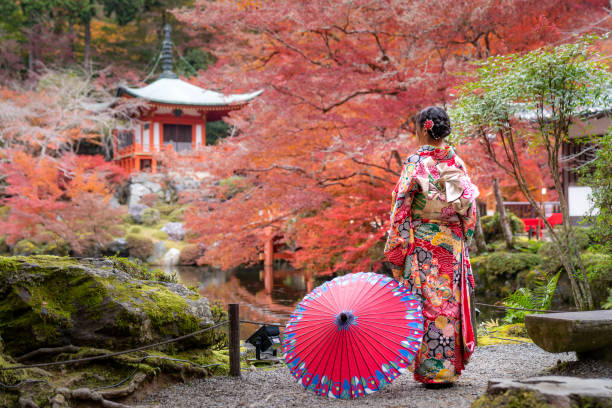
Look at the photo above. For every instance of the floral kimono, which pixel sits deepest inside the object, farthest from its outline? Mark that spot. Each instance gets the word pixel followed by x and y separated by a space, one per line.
pixel 433 214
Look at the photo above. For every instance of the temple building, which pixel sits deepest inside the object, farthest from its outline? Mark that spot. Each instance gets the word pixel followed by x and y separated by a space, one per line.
pixel 175 117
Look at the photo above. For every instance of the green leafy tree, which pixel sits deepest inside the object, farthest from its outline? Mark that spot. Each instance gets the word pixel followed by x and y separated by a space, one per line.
pixel 529 100
pixel 598 175
pixel 82 12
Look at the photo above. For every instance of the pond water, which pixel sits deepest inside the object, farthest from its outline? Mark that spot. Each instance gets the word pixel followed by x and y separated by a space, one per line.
pixel 265 294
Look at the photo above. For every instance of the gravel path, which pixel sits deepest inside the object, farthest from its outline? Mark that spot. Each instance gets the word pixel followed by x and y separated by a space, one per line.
pixel 276 388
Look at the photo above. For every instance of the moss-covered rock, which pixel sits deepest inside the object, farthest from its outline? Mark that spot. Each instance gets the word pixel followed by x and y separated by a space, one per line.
pixel 511 399
pixel 499 273
pixel 48 301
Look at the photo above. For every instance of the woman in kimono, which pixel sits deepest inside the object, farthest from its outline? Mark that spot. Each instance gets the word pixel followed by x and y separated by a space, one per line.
pixel 433 215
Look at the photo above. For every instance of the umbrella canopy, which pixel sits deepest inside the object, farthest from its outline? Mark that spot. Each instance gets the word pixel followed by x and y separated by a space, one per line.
pixel 352 335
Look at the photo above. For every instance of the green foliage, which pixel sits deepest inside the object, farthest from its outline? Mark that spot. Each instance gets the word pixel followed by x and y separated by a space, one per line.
pixel 160 235
pixel 135 230
pixel 215 131
pixel 56 246
pixel 177 214
pixel 139 247
pixel 219 314
pixel 193 60
pixel 608 303
pixel 507 263
pixel 491 226
pixel 598 176
pixel 123 11
pixel 537 298
pixel 554 83
pixel 150 216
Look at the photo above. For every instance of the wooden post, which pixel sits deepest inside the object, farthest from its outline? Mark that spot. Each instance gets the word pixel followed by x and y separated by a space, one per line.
pixel 234 339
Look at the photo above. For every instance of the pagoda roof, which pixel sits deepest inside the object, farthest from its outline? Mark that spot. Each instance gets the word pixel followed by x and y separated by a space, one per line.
pixel 173 91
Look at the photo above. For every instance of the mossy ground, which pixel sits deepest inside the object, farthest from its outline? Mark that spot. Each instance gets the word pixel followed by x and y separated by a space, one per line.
pixel 490 333
pixel 61 288
pixel 510 399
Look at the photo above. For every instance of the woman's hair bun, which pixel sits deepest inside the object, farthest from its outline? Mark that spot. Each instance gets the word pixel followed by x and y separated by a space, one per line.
pixel 441 122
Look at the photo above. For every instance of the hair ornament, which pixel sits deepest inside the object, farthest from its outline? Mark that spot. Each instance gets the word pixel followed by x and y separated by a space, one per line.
pixel 428 124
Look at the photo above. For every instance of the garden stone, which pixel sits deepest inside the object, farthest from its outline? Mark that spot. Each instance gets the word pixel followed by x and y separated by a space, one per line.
pixel 118 247
pixel 136 211
pixel 559 391
pixel 588 333
pixel 174 230
pixel 141 185
pixel 159 250
pixel 171 258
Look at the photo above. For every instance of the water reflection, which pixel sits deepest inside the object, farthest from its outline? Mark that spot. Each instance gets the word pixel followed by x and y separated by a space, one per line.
pixel 264 294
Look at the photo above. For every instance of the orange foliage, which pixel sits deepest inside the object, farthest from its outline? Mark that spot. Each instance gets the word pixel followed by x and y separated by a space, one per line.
pixel 69 198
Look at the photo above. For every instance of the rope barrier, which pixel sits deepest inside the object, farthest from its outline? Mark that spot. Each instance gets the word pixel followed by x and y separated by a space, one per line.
pixel 520 308
pixel 118 353
pixel 261 323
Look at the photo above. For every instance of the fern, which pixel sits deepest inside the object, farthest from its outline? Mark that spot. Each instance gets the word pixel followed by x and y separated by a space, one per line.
pixel 525 298
pixel 608 303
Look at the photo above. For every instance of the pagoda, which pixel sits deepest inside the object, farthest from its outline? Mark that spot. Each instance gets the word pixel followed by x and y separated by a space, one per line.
pixel 175 117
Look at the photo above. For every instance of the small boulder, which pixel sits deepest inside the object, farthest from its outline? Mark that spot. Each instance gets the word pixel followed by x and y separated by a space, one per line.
pixel 136 211
pixel 159 250
pixel 118 247
pixel 175 231
pixel 171 258
pixel 557 391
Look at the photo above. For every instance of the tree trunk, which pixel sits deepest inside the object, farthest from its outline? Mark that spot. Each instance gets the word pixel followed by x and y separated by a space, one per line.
pixel 503 219
pixel 71 42
pixel 479 238
pixel 87 46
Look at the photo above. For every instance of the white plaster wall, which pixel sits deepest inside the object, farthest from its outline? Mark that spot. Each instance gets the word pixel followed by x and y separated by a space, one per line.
pixel 137 133
pixel 156 136
pixel 198 136
pixel 578 200
pixel 146 138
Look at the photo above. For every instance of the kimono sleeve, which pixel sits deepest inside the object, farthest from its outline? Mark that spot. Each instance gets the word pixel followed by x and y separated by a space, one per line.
pixel 468 214
pixel 400 236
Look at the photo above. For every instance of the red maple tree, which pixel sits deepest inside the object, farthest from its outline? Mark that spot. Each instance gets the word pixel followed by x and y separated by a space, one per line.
pixel 324 143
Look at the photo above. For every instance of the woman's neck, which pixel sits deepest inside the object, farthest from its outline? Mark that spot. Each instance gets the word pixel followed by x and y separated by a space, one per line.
pixel 433 142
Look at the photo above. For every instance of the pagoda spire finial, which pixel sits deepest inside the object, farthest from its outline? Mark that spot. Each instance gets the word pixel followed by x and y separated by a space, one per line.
pixel 166 54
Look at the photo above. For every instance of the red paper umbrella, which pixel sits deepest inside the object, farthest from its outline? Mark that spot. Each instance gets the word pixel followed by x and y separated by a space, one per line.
pixel 352 335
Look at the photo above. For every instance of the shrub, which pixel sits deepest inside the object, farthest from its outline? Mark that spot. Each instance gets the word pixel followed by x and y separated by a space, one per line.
pixel 135 230
pixel 177 214
pixel 160 235
pixel 508 263
pixel 165 209
pixel 599 271
pixel 491 226
pixel 551 263
pixel 150 216
pixel 139 247
pixel 190 254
